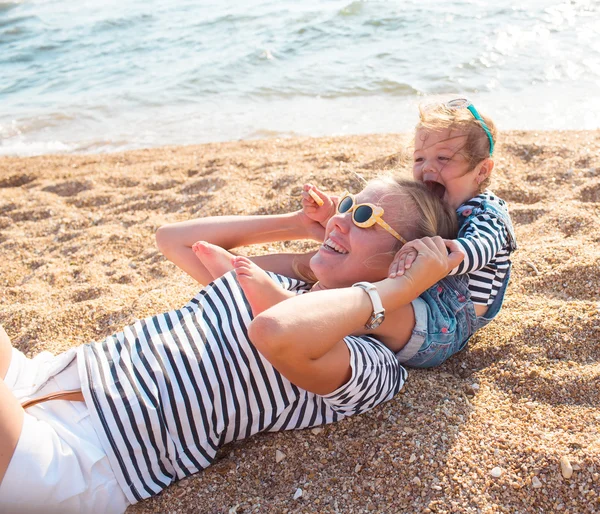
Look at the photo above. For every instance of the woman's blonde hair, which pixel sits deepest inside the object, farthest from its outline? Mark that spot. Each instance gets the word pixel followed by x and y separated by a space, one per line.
pixel 419 213
pixel 439 116
pixel 422 214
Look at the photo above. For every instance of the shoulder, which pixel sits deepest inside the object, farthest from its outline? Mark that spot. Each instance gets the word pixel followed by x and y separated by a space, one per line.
pixel 486 204
pixel 489 210
pixel 485 201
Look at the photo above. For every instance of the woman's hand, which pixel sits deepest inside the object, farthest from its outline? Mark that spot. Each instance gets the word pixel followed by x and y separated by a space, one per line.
pixel 316 205
pixel 405 257
pixel 435 258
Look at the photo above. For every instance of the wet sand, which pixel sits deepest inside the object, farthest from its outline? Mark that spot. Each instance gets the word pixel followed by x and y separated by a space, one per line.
pixel 485 432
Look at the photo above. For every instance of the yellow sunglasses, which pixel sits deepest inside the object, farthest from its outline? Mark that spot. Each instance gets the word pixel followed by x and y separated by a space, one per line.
pixel 365 215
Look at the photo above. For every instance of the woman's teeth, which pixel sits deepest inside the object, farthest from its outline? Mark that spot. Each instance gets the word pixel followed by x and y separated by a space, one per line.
pixel 335 247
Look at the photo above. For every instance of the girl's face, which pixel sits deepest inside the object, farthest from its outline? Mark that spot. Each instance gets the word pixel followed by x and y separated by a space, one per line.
pixel 351 254
pixel 439 163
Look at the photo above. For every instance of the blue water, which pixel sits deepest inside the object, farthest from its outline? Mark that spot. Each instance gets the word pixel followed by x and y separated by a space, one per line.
pixel 106 75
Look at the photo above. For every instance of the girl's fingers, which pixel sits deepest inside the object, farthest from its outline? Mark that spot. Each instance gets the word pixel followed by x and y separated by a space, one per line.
pixel 393 269
pixel 307 198
pixel 410 258
pixel 402 265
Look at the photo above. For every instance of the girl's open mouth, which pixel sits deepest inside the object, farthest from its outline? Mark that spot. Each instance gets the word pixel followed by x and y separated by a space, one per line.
pixel 436 188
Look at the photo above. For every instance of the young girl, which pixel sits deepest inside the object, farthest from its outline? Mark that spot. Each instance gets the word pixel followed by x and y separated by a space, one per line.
pixel 453 152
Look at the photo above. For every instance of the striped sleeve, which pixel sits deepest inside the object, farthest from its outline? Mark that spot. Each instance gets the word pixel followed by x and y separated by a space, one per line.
pixel 482 241
pixel 376 377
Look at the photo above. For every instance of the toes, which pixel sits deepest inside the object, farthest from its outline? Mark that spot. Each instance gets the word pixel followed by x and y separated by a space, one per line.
pixel 199 247
pixel 242 259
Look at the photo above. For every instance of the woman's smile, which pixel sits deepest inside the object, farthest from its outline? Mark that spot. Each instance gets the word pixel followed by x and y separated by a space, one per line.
pixel 331 245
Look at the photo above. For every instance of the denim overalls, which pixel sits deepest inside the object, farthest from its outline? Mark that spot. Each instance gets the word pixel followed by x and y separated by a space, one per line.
pixel 444 314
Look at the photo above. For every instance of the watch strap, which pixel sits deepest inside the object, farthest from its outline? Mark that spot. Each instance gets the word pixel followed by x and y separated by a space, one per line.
pixel 378 311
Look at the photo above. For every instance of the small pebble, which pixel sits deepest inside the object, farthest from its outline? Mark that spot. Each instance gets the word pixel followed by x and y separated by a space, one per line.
pixel 416 481
pixel 298 493
pixel 279 456
pixel 496 472
pixel 316 430
pixel 535 482
pixel 412 458
pixel 565 467
pixel 357 468
pixel 533 267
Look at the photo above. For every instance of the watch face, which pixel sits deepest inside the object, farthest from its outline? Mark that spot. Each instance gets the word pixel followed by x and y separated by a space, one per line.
pixel 377 320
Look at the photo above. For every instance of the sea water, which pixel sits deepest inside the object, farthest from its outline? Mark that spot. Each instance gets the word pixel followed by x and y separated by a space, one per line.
pixel 106 75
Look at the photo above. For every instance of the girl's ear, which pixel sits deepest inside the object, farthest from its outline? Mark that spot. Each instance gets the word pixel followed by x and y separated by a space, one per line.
pixel 485 169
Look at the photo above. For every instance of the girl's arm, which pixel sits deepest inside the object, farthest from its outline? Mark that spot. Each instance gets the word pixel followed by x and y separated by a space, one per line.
pixel 175 240
pixel 303 336
pixel 484 238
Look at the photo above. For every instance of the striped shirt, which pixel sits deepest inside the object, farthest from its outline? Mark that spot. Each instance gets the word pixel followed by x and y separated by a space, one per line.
pixel 486 245
pixel 168 391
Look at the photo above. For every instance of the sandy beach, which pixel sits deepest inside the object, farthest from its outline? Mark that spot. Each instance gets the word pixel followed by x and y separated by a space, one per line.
pixel 485 432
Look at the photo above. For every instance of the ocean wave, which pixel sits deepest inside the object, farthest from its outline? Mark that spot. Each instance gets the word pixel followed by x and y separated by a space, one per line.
pixel 7 6
pixel 30 148
pixel 371 88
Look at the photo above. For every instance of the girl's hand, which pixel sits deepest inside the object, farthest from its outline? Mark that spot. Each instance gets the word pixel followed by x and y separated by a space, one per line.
pixel 317 210
pixel 402 261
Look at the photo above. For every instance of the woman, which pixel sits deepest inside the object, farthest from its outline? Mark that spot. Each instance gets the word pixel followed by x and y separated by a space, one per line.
pixel 160 397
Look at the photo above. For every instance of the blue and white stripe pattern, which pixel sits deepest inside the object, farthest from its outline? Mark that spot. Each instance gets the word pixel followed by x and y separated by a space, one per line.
pixel 168 391
pixel 486 247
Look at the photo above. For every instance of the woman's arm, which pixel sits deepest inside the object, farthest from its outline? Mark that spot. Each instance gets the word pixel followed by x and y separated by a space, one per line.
pixel 303 336
pixel 11 423
pixel 175 240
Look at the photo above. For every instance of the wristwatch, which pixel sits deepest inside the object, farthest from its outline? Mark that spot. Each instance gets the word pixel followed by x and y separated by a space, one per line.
pixel 378 315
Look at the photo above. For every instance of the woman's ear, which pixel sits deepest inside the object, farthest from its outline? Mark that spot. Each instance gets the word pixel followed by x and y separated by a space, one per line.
pixel 485 169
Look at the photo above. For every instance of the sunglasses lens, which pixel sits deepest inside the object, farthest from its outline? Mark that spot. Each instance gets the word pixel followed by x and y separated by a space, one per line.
pixel 345 204
pixel 363 213
pixel 458 103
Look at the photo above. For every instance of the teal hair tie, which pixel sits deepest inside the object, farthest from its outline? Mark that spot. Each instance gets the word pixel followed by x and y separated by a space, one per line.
pixel 460 103
pixel 484 126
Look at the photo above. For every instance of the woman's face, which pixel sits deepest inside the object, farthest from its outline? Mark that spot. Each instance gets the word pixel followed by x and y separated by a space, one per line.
pixel 352 254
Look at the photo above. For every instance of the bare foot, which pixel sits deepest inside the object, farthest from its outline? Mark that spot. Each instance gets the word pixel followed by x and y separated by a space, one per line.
pixel 215 259
pixel 260 289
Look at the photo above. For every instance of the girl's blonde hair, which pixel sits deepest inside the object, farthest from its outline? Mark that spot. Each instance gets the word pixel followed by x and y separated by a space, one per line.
pixel 420 213
pixel 439 116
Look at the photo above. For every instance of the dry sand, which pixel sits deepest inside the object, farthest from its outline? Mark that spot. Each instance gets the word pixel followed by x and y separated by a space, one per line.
pixel 485 432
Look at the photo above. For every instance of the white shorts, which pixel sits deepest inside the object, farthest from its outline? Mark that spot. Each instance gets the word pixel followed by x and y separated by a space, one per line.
pixel 59 465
